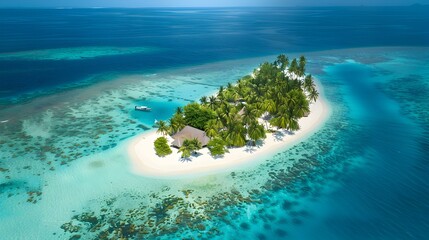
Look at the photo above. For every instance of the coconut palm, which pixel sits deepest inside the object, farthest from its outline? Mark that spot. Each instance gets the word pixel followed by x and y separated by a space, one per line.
pixel 231 96
pixel 280 121
pixel 309 83
pixel 301 105
pixel 217 147
pixel 177 123
pixel 288 116
pixel 313 95
pixel 255 131
pixel 227 112
pixel 212 102
pixel 290 98
pixel 179 110
pixel 196 145
pixel 282 61
pixel 293 66
pixel 203 100
pixel 189 146
pixel 236 137
pixel 293 124
pixel 249 115
pixel 186 149
pixel 301 66
pixel 235 133
pixel 269 105
pixel 162 127
pixel 221 89
pixel 213 127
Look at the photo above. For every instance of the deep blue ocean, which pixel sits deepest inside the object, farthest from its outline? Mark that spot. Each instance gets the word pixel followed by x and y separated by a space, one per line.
pixel 363 175
pixel 189 36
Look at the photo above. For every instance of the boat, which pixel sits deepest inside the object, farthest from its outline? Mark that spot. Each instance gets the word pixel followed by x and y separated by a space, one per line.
pixel 142 108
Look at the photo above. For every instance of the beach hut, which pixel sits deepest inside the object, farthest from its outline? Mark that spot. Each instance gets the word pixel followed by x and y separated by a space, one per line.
pixel 190 133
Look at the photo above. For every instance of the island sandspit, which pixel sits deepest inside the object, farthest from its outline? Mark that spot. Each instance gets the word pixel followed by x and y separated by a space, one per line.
pixel 144 160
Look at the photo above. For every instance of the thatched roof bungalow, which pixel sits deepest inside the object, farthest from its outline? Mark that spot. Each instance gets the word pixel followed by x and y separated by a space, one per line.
pixel 190 133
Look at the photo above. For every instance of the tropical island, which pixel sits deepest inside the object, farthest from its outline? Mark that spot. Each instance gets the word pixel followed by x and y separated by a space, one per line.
pixel 255 116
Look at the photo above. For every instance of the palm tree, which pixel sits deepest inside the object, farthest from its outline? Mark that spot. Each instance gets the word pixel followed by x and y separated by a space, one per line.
pixel 221 89
pixel 213 127
pixel 250 114
pixel 162 127
pixel 313 95
pixel 186 149
pixel 203 100
pixel 177 123
pixel 241 89
pixel 301 66
pixel 189 146
pixel 280 121
pixel 236 139
pixel 196 145
pixel 309 83
pixel 282 61
pixel 179 110
pixel 290 98
pixel 255 131
pixel 293 66
pixel 301 106
pixel 269 105
pixel 231 96
pixel 293 124
pixel 226 112
pixel 235 132
pixel 288 116
pixel 212 102
pixel 217 147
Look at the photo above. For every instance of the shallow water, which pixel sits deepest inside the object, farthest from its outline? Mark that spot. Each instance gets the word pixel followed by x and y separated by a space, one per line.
pixel 360 176
pixel 64 171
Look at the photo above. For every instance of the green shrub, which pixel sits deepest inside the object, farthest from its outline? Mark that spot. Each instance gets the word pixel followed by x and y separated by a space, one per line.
pixel 161 147
pixel 217 147
pixel 197 116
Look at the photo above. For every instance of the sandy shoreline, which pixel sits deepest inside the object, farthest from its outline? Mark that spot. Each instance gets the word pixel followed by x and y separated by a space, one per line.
pixel 145 162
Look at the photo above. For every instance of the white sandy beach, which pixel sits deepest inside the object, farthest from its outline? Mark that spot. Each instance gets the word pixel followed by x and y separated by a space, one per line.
pixel 146 162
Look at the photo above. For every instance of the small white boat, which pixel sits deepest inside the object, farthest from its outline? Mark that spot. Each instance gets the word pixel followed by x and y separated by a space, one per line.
pixel 142 108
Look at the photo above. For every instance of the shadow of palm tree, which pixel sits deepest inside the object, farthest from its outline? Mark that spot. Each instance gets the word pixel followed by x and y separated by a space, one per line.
pixel 278 136
pixel 250 149
pixel 185 160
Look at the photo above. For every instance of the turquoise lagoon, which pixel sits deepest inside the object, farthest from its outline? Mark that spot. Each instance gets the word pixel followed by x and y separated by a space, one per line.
pixel 65 171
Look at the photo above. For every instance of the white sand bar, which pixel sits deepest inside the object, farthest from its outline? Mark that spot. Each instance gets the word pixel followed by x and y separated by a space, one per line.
pixel 146 162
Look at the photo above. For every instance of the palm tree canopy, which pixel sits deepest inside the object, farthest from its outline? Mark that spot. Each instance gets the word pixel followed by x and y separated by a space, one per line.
pixel 256 131
pixel 313 95
pixel 203 100
pixel 162 127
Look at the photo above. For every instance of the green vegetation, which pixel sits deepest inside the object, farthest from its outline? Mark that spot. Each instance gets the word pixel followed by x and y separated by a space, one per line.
pixel 276 95
pixel 189 146
pixel 161 147
pixel 177 122
pixel 217 147
pixel 197 115
pixel 162 127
